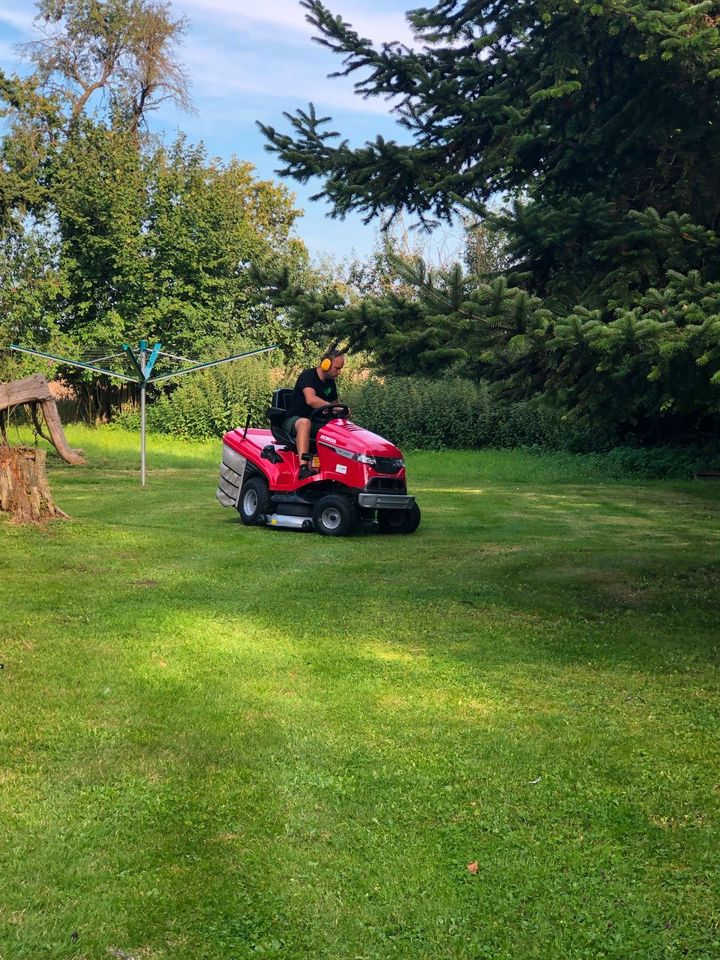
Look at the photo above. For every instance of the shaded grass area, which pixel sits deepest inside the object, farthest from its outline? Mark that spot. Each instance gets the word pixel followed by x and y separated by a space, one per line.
pixel 221 742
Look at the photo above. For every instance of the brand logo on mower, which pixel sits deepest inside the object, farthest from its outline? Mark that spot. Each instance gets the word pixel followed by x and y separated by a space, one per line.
pixel 329 440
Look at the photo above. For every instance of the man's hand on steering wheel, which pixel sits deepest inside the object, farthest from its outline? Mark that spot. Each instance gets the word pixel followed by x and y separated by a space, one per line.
pixel 330 411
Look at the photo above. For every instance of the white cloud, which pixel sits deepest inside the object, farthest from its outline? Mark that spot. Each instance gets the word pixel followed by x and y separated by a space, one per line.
pixel 239 49
pixel 17 16
pixel 8 54
pixel 297 81
pixel 289 16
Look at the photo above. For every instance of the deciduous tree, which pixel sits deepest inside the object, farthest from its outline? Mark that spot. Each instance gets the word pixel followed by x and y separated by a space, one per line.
pixel 125 51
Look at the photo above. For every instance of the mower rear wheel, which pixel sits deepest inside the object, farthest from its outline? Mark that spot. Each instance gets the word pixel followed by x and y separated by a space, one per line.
pixel 399 521
pixel 334 516
pixel 254 500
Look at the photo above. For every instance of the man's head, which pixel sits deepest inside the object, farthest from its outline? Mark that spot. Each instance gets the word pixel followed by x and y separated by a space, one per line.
pixel 332 363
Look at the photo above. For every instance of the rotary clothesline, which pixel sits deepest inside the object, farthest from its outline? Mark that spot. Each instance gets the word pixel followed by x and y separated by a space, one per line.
pixel 143 363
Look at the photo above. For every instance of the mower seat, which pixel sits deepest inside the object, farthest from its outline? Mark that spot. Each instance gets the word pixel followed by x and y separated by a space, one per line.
pixel 277 414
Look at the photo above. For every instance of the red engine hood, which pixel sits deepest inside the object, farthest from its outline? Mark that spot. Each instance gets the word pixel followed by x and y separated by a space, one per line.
pixel 343 433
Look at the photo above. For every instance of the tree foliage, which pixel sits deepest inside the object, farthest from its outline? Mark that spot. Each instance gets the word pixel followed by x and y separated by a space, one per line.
pixel 559 97
pixel 579 112
pixel 597 122
pixel 650 367
pixel 155 244
pixel 159 243
pixel 122 50
pixel 30 287
pixel 31 117
pixel 114 60
pixel 108 235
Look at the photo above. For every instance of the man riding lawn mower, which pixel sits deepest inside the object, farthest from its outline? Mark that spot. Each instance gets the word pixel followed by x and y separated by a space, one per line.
pixel 315 388
pixel 315 469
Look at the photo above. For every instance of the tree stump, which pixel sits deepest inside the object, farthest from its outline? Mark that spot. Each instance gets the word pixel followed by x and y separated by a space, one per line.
pixel 24 490
pixel 35 390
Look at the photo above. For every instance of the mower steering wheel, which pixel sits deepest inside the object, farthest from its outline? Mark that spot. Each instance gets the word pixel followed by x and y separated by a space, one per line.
pixel 326 413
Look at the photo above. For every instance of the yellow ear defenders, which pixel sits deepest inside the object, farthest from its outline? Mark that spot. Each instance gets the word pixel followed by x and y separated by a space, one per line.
pixel 325 364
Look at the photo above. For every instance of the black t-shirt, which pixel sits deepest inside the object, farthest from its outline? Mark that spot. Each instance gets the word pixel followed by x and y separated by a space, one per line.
pixel 325 389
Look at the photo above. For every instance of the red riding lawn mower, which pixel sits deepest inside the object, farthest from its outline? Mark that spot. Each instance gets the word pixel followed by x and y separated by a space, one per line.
pixel 361 478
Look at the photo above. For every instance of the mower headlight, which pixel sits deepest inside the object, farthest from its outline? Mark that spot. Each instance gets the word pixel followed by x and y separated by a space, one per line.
pixel 341 452
pixel 382 464
pixel 349 455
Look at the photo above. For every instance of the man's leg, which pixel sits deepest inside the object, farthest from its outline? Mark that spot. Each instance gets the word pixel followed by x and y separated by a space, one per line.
pixel 302 436
pixel 303 430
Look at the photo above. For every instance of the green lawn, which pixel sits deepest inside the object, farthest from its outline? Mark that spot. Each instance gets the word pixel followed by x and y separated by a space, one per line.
pixel 219 742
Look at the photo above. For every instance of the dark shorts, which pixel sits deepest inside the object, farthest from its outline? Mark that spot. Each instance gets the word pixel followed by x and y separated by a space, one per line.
pixel 289 426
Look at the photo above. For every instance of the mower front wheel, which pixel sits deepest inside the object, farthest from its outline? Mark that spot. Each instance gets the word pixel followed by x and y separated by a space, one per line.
pixel 399 521
pixel 254 500
pixel 334 516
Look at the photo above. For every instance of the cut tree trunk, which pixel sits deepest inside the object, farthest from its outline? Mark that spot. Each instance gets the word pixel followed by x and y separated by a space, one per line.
pixel 24 490
pixel 35 389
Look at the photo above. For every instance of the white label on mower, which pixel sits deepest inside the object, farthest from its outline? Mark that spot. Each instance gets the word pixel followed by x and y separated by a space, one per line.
pixel 340 468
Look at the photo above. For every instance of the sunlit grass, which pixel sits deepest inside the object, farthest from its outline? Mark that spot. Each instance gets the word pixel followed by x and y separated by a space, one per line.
pixel 228 743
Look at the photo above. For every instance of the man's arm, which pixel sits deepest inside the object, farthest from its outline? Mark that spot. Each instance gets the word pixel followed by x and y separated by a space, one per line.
pixel 314 401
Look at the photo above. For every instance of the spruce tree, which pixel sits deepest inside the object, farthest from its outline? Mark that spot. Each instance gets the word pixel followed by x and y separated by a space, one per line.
pixel 580 110
pixel 598 124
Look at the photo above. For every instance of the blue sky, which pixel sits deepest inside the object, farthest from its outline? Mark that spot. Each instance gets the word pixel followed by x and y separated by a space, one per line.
pixel 250 60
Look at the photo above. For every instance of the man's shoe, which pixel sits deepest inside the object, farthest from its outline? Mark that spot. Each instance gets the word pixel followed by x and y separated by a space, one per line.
pixel 307 471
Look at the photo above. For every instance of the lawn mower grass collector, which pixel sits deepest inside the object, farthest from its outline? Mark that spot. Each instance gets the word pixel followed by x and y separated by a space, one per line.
pixel 361 476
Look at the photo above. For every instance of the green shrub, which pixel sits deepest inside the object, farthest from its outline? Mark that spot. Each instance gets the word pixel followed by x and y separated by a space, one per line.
pixel 460 414
pixel 453 413
pixel 426 414
pixel 417 414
